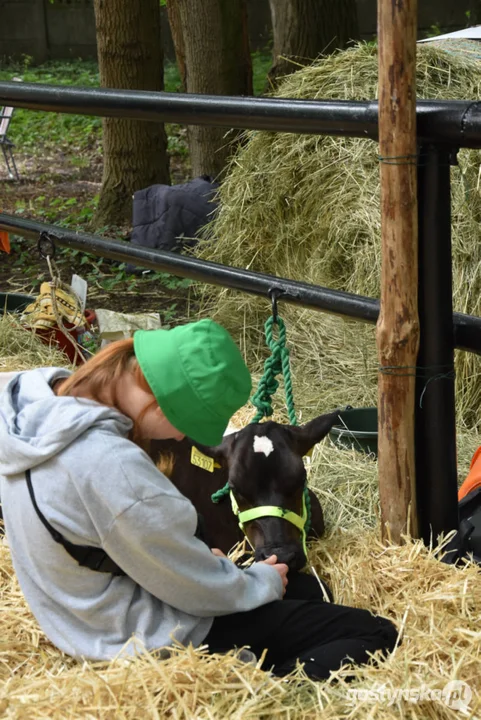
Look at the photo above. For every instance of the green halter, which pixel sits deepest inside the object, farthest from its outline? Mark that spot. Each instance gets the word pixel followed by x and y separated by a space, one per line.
pixel 261 511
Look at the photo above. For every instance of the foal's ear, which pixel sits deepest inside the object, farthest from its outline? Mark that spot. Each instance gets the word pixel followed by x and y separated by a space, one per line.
pixel 306 436
pixel 218 452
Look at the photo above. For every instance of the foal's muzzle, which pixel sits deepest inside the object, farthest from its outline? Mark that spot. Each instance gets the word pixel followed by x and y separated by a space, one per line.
pixel 291 554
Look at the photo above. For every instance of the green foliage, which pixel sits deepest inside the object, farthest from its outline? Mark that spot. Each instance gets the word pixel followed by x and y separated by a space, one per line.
pixel 98 272
pixel 434 30
pixel 172 81
pixel 37 132
pixel 261 63
pixel 79 138
pixel 172 282
pixel 169 313
pixel 72 214
pixel 65 212
pixel 177 140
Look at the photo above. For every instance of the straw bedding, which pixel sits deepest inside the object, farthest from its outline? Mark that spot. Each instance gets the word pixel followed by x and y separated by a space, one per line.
pixel 437 607
pixel 21 350
pixel 308 208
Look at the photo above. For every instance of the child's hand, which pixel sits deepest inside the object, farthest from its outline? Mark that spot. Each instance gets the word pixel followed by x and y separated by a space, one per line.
pixel 281 568
pixel 218 553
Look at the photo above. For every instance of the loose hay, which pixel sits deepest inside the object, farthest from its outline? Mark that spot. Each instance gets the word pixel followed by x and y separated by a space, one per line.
pixel 437 607
pixel 21 349
pixel 308 208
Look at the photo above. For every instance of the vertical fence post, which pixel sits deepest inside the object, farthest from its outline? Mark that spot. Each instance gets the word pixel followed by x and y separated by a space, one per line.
pixel 436 480
pixel 397 328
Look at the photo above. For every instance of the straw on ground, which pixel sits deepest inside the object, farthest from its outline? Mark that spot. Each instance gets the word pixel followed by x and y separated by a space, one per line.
pixel 437 607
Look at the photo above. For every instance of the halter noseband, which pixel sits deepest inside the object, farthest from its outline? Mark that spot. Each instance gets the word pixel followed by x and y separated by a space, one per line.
pixel 246 516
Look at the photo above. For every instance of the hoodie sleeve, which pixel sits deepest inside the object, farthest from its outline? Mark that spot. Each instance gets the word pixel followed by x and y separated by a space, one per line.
pixel 153 541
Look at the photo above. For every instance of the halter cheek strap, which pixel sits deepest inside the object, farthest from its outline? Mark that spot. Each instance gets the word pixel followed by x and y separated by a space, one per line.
pixel 246 516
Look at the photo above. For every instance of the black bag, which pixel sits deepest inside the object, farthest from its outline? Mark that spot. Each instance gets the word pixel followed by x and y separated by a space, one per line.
pixel 169 217
pixel 467 541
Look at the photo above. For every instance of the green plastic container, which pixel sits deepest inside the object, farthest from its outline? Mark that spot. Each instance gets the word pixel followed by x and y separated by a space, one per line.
pixel 14 302
pixel 357 429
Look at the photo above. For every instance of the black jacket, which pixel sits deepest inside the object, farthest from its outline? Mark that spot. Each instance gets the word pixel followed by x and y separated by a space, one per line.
pixel 170 217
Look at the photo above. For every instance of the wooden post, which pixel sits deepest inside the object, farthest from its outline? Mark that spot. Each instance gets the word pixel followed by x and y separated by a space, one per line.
pixel 398 324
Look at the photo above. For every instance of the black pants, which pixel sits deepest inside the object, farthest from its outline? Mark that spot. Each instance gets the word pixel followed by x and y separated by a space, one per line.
pixel 303 627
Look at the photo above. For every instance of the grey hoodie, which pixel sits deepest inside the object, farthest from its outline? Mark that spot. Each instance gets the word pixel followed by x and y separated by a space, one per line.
pixel 98 488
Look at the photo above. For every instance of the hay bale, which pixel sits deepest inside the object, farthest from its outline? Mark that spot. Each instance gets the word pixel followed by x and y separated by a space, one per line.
pixel 307 207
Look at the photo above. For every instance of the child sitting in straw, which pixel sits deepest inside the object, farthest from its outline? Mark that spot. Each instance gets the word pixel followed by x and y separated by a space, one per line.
pixel 70 467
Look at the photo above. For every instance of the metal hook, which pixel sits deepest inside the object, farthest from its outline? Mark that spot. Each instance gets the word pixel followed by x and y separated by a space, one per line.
pixel 46 245
pixel 274 294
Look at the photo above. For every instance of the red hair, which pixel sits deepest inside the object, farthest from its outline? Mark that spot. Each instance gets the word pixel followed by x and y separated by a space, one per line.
pixel 99 377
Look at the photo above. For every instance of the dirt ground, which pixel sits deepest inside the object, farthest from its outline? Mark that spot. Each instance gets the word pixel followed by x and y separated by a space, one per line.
pixel 54 178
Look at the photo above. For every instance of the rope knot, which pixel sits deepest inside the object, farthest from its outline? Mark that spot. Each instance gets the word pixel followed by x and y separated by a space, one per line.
pixel 278 363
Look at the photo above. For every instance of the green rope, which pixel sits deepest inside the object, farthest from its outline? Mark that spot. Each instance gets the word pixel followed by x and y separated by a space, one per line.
pixel 276 364
pixel 219 494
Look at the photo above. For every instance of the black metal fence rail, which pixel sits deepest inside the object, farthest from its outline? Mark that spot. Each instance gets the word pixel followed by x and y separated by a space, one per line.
pixel 456 123
pixel 467 328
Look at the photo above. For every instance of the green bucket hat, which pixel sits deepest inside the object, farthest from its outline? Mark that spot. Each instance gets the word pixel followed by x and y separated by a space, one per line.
pixel 197 375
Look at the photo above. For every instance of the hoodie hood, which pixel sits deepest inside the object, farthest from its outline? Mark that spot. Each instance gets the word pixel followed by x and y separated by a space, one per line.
pixel 35 424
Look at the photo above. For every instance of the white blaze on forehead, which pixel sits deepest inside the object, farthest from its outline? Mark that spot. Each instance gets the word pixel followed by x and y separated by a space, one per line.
pixel 263 444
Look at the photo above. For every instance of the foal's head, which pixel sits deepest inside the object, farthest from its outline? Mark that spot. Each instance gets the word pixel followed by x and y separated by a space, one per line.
pixel 266 471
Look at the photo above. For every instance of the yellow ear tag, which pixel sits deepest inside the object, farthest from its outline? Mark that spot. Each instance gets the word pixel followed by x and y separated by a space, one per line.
pixel 203 461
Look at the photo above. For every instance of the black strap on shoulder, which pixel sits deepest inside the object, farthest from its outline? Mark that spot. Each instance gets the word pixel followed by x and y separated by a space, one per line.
pixel 86 556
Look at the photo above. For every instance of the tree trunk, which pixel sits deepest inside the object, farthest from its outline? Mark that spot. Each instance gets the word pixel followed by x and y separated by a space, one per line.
pixel 130 57
pixel 304 29
pixel 212 49
pixel 175 23
pixel 398 324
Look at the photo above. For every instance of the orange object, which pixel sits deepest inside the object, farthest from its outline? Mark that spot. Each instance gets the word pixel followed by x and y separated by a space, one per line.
pixel 473 481
pixel 4 241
